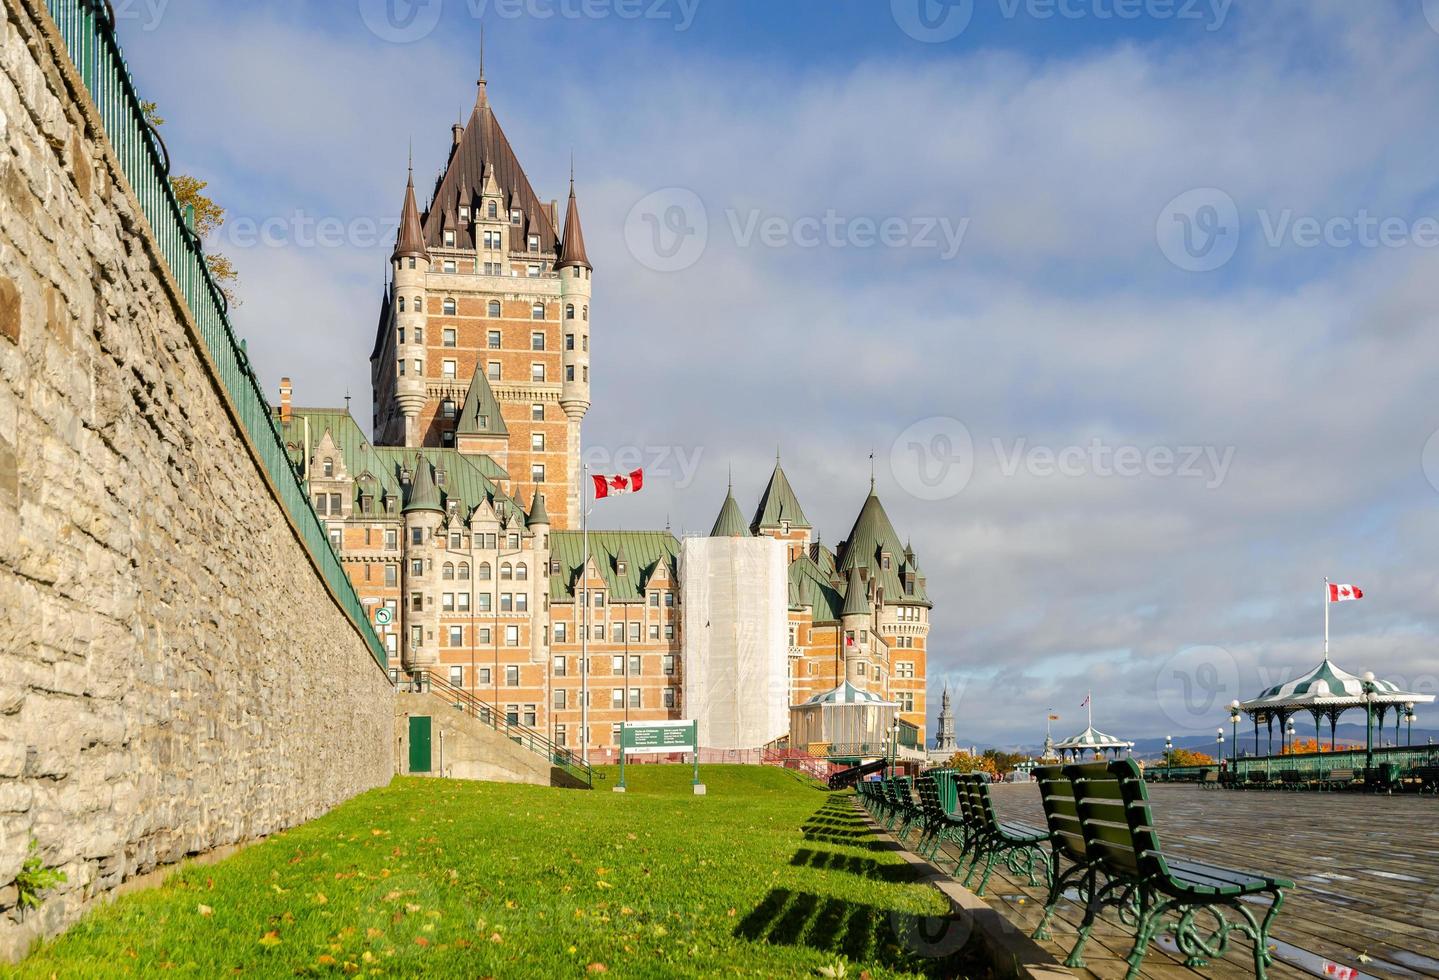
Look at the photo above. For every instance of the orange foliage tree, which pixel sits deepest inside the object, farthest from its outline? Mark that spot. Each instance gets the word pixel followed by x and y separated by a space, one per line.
pixel 1189 757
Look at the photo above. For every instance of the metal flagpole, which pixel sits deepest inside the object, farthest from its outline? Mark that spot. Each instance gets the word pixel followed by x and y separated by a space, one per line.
pixel 1089 700
pixel 1326 617
pixel 585 627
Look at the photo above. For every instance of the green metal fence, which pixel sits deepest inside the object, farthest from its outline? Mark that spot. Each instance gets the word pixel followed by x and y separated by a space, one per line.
pixel 88 28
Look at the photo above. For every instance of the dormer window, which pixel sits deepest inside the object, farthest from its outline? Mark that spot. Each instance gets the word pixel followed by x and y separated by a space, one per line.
pixel 534 243
pixel 450 239
pixel 884 561
pixel 464 212
pixel 784 527
pixel 620 567
pixel 514 216
pixel 329 466
pixel 493 209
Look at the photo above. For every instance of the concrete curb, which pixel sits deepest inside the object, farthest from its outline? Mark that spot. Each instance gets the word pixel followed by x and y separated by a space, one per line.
pixel 1014 954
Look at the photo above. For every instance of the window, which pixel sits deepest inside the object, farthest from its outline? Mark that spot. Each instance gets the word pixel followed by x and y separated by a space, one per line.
pixel 412 262
pixel 419 335
pixel 402 367
pixel 537 341
pixel 585 373
pixel 391 575
pixel 450 238
pixel 448 572
pixel 464 212
pixel 447 408
pixel 617 665
pixel 618 631
pixel 329 466
pixel 485 678
pixel 512 636
pixel 559 666
pixel 417 567
pixel 669 599
pixel 654 631
pixel 537 413
pixel 585 342
pixel 537 371
pixel 617 698
pixel 634 632
pixel 464 571
pixel 537 441
pixel 492 210
pixel 483 600
pixel 634 697
pixel 507 602
pixel 492 339
pixel 669 631
pixel 449 265
pixel 507 572
pixel 335 539
pixel 419 367
pixel 457 639
pixel 560 635
pixel 522 572
pixel 484 571
pixel 654 600
pixel 599 599
pixel 417 602
pixel 462 601
pixel 512 676
pixel 449 307
pixel 494 370
pixel 484 640
pixel 447 337
pixel 533 242
pixel 904 669
pixel 668 663
pixel 615 734
pixel 635 664
pixel 537 312
pixel 392 539
pixel 569 341
pixel 522 602
pixel 561 736
pixel 417 535
pixel 515 216
pixel 447 369
pixel 906 701
pixel 402 309
pixel 569 372
pixel 537 473
pixel 586 314
pixel 669 694
pixel 559 699
pixel 599 631
pixel 321 504
pixel 417 635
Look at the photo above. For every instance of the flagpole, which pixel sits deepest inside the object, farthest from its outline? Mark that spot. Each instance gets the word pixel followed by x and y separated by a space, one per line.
pixel 1326 618
pixel 585 625
pixel 1089 700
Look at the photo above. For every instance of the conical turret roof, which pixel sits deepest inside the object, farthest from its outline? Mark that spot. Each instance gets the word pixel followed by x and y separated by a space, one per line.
pixel 572 248
pixel 480 415
pixel 856 603
pixel 410 241
pixel 873 537
pixel 537 511
pixel 424 493
pixel 730 522
pixel 778 503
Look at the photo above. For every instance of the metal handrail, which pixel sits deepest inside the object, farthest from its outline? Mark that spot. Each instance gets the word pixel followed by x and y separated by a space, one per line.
pixel 87 28
pixel 488 714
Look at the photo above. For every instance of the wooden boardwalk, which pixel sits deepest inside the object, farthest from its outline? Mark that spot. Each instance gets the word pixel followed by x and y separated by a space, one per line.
pixel 1367 869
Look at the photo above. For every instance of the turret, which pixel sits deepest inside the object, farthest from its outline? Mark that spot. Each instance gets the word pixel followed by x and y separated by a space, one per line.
pixel 856 618
pixel 574 269
pixel 411 261
pixel 538 525
pixel 423 514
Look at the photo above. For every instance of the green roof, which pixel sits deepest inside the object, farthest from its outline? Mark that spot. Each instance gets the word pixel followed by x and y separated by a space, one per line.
pixel 641 550
pixel 810 585
pixel 424 494
pixel 730 522
pixel 872 537
pixel 856 603
pixel 537 511
pixel 468 478
pixel 480 415
pixel 778 504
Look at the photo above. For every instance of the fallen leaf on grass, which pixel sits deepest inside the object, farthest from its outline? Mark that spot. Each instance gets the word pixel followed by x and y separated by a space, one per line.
pixel 320 898
pixel 597 968
pixel 603 884
pixel 204 910
pixel 326 960
pixel 271 938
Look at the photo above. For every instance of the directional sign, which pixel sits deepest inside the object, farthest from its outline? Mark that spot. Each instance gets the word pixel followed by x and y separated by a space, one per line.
pixel 383 615
pixel 657 737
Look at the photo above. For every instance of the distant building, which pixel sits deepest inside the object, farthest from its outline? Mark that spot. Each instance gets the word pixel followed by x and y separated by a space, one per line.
pixel 944 741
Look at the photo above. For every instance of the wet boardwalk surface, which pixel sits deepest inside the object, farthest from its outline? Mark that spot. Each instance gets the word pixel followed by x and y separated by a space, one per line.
pixel 1367 869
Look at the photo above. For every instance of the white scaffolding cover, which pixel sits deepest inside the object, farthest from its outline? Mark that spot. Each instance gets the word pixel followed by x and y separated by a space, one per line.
pixel 736 628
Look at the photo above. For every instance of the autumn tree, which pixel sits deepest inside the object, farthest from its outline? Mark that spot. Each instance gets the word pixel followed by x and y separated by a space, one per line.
pixel 209 216
pixel 964 762
pixel 1189 757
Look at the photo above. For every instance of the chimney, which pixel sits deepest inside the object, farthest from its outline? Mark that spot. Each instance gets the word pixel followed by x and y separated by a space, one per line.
pixel 285 391
pixel 458 131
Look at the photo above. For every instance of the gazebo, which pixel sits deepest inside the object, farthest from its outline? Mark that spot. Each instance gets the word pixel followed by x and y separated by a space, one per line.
pixel 1327 691
pixel 846 721
pixel 1090 740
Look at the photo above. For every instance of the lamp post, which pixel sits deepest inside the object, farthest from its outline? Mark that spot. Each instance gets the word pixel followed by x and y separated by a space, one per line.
pixel 893 746
pixel 1219 755
pixel 1168 751
pixel 1234 742
pixel 1368 721
pixel 1409 716
pixel 1290 732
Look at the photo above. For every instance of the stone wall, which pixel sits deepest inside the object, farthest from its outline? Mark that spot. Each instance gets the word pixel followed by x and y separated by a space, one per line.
pixel 175 676
pixel 462 747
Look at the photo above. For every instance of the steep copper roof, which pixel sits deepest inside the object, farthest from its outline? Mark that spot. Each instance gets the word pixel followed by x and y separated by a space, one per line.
pixel 484 142
pixel 572 250
pixel 410 240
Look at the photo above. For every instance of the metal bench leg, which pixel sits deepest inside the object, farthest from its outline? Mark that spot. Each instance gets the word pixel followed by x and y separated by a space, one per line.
pixel 1075 959
pixel 1149 920
pixel 1056 892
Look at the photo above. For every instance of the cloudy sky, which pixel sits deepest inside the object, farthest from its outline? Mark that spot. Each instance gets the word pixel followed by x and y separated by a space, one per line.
pixel 1133 302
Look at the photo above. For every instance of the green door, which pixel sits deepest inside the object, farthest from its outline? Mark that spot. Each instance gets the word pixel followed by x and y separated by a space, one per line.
pixel 419 743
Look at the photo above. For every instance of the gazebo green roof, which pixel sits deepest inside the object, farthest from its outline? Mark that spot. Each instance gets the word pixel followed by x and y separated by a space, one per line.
pixel 847 693
pixel 1328 686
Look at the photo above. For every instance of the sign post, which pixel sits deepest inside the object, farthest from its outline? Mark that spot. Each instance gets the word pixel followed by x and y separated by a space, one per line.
pixel 660 738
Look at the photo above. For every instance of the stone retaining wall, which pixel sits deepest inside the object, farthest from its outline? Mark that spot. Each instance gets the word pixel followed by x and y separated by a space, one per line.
pixel 174 674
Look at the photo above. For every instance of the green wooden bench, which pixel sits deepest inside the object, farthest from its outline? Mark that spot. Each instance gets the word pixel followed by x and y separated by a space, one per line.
pixel 1019 845
pixel 1066 838
pixel 1339 778
pixel 1119 836
pixel 939 825
pixel 1210 779
pixel 1293 779
pixel 1427 777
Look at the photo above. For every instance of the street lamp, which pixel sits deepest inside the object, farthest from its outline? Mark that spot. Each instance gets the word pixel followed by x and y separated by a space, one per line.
pixel 893 747
pixel 1368 721
pixel 1290 732
pixel 1234 743
pixel 1168 751
pixel 1409 716
pixel 1219 755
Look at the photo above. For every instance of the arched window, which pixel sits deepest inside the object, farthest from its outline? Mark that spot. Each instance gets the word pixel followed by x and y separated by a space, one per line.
pixel 416 305
pixel 537 312
pixel 483 572
pixel 329 466
pixel 587 314
pixel 494 307
pixel 569 310
pixel 522 572
pixel 464 571
pixel 449 307
pixel 506 572
pixel 448 572
pixel 402 304
pixel 493 210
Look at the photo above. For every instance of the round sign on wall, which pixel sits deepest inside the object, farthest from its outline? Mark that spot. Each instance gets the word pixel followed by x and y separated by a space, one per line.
pixel 383 615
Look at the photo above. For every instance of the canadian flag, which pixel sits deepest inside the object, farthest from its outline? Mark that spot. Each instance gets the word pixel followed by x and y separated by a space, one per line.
pixel 606 486
pixel 1343 593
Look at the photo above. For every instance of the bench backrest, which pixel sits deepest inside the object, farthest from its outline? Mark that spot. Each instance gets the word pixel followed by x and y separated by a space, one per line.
pixel 1211 775
pixel 1341 773
pixel 1061 814
pixel 1103 818
pixel 974 796
pixel 1140 818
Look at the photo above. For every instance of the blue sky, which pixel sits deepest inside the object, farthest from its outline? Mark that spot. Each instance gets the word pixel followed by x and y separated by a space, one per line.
pixel 1151 351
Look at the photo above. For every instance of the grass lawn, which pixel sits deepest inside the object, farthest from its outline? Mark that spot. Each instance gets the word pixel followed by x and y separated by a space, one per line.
pixel 766 875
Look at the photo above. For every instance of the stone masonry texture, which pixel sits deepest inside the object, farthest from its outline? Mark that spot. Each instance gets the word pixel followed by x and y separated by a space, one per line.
pixel 174 675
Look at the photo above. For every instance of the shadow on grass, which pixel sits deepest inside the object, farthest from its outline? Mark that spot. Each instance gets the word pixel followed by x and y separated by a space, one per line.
pixel 865 934
pixel 863 867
